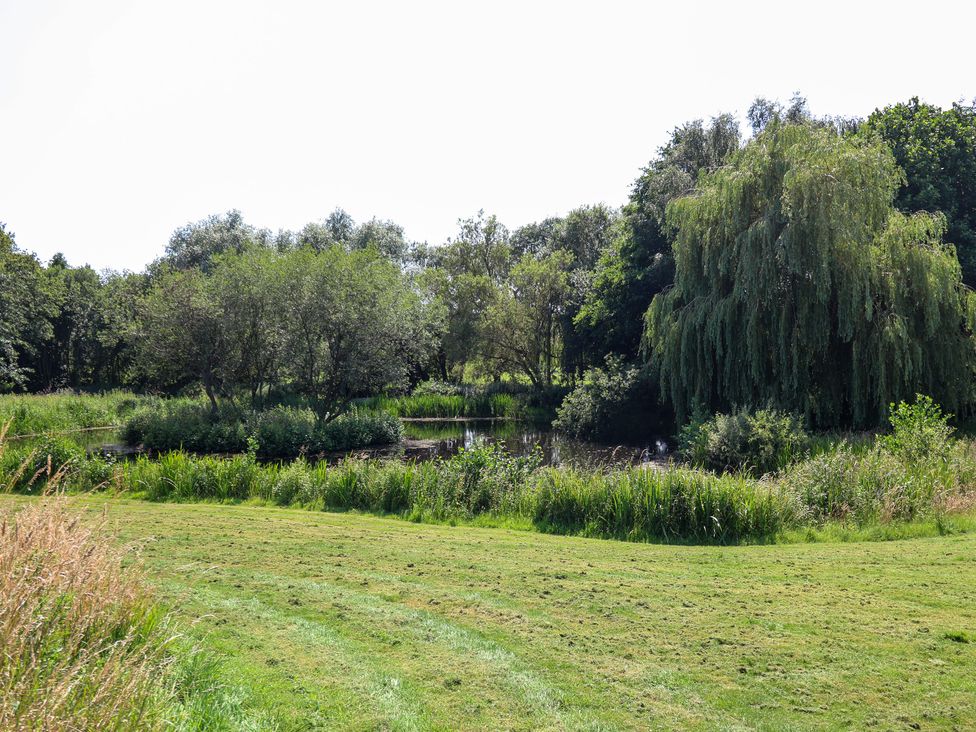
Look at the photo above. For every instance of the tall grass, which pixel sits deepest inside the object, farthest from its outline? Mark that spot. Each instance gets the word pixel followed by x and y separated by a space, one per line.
pixel 635 504
pixel 37 413
pixel 917 473
pixel 447 406
pixel 82 644
pixel 643 503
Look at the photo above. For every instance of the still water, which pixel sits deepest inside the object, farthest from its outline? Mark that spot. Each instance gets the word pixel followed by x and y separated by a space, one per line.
pixel 431 439
pixel 425 440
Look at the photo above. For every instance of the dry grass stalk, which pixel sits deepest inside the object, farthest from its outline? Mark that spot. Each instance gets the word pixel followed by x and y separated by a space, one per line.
pixel 79 641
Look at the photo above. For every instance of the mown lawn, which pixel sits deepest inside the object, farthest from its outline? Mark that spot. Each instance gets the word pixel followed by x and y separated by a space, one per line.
pixel 341 621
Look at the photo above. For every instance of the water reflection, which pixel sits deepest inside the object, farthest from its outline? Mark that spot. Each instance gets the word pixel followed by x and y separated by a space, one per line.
pixel 431 439
pixel 426 440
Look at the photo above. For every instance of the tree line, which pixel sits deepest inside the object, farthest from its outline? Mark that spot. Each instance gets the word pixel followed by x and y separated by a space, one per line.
pixel 819 265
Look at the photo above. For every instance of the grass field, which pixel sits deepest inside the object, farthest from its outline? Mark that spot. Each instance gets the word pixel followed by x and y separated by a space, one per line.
pixel 343 621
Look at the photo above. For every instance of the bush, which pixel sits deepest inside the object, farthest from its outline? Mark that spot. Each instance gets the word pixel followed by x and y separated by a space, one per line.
pixel 757 443
pixel 920 431
pixel 181 424
pixel 435 387
pixel 609 404
pixel 913 472
pixel 282 431
pixel 357 429
pixel 877 486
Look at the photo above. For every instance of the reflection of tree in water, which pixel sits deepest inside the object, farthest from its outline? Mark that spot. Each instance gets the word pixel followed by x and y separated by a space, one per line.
pixel 431 439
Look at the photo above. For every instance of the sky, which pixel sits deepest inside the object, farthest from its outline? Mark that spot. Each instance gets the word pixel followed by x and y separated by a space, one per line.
pixel 121 120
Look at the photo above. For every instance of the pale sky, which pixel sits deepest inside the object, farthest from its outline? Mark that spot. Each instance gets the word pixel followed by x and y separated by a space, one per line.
pixel 121 120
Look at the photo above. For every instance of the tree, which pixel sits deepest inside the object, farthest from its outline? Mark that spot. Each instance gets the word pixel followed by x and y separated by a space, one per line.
pixel 181 339
pixel 523 323
pixel 464 276
pixel 26 307
pixel 248 288
pixel 353 326
pixel 638 263
pixel 481 248
pixel 384 236
pixel 69 356
pixel 937 150
pixel 798 286
pixel 196 244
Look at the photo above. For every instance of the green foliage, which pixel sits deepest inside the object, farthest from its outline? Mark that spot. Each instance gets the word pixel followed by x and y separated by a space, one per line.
pixel 522 324
pixel 331 325
pixel 27 302
pixel 447 407
pixel 937 150
pixel 675 504
pixel 798 286
pixel 28 468
pixel 278 432
pixel 917 470
pixel 920 431
pixel 860 486
pixel 484 479
pixel 34 414
pixel 436 387
pixel 878 486
pixel 754 442
pixel 638 263
pixel 609 403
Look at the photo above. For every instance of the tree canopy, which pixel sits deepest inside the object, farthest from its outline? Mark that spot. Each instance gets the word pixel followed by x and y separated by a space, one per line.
pixel 937 150
pixel 638 263
pixel 798 285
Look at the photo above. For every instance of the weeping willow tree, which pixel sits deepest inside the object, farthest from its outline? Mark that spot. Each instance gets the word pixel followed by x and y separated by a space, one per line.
pixel 799 286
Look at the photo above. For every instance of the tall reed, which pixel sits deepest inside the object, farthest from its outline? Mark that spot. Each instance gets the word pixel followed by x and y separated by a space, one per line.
pixel 447 406
pixel 63 411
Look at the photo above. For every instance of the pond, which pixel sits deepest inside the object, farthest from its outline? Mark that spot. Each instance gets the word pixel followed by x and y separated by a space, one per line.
pixel 430 439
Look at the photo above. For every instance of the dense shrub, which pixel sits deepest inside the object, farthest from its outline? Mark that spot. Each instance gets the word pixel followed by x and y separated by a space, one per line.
pixel 755 442
pixel 277 432
pixel 920 432
pixel 913 471
pixel 357 429
pixel 609 404
pixel 435 387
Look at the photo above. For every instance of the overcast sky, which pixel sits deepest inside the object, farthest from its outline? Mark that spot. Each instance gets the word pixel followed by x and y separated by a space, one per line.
pixel 122 120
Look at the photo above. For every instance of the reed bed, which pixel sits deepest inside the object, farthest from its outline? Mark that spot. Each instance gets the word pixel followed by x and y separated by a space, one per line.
pixel 431 406
pixel 28 414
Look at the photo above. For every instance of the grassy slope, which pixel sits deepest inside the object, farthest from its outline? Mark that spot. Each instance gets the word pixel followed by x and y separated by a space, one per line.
pixel 352 622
